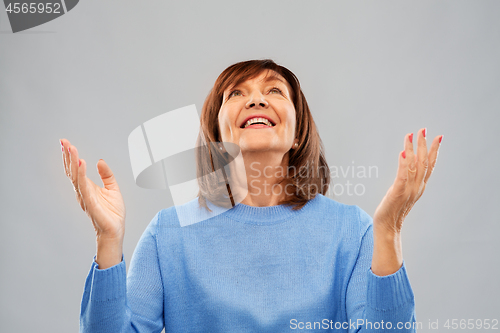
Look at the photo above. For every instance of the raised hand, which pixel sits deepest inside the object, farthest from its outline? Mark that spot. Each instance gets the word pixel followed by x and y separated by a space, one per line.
pixel 104 206
pixel 413 174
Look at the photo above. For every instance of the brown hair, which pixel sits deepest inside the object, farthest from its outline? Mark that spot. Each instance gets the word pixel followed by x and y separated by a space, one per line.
pixel 308 157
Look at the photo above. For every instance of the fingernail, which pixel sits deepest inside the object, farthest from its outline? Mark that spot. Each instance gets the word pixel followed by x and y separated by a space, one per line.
pixel 404 154
pixel 69 150
pixel 411 138
pixel 62 149
pixel 79 162
pixel 441 138
pixel 424 132
pixel 60 141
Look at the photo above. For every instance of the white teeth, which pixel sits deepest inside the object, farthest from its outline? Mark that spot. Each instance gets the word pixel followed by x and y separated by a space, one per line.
pixel 257 120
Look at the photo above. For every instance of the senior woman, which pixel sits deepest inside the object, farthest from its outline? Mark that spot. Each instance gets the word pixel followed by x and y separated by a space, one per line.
pixel 283 257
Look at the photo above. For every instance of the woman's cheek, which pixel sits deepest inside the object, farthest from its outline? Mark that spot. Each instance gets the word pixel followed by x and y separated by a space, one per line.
pixel 226 129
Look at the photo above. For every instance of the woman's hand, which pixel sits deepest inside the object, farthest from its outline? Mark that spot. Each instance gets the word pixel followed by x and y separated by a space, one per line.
pixel 412 177
pixel 104 206
pixel 413 174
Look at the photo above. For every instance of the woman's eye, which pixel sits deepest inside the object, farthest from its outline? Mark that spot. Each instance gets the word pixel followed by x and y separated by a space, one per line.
pixel 234 93
pixel 275 90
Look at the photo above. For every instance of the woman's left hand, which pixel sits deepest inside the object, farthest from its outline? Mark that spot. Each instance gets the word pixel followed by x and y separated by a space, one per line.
pixel 412 177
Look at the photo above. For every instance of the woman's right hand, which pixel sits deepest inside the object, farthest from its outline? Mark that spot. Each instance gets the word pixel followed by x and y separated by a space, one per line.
pixel 105 205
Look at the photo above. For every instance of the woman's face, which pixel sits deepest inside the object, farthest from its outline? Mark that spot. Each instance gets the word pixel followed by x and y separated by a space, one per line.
pixel 265 96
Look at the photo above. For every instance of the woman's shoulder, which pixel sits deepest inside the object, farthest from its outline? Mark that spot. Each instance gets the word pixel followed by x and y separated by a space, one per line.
pixel 188 213
pixel 347 215
pixel 328 204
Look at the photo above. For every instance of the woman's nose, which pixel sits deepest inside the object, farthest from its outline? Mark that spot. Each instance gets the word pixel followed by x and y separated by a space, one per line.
pixel 257 99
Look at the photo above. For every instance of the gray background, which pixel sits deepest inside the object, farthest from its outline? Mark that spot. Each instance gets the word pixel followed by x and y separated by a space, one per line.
pixel 372 71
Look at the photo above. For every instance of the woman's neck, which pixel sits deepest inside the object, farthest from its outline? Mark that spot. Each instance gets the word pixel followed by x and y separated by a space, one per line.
pixel 264 171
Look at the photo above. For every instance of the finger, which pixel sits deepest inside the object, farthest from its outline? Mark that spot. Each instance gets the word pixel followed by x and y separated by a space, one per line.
pixel 422 160
pixel 401 183
pixel 82 183
pixel 65 156
pixel 410 156
pixel 433 155
pixel 73 158
pixel 107 177
pixel 62 154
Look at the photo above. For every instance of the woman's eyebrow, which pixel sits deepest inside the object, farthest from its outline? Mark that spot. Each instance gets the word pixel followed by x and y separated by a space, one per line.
pixel 267 79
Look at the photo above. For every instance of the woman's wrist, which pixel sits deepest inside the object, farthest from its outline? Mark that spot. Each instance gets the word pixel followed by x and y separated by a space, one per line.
pixel 109 252
pixel 387 251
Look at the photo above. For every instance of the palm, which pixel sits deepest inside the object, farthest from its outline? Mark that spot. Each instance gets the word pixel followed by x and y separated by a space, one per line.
pixel 413 174
pixel 394 207
pixel 104 205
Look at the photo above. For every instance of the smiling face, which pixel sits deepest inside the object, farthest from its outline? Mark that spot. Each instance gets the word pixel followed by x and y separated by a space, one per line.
pixel 225 110
pixel 268 97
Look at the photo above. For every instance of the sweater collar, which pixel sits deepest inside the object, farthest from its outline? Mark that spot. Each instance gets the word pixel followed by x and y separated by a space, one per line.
pixel 265 215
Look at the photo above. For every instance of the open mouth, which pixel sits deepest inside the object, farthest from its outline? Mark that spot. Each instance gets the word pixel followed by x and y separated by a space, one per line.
pixel 258 122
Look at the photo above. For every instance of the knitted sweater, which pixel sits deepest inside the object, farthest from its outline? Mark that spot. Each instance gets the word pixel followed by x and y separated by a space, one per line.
pixel 251 269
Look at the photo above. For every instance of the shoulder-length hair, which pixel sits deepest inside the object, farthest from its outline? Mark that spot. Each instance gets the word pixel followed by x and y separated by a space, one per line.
pixel 308 171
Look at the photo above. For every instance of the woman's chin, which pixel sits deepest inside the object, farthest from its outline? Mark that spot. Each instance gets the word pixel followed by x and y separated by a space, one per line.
pixel 257 146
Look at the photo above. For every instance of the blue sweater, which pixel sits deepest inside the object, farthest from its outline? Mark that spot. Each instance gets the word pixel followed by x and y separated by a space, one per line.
pixel 251 269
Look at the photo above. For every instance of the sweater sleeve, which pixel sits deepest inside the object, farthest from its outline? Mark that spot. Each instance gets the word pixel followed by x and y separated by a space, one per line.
pixel 378 303
pixel 114 302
